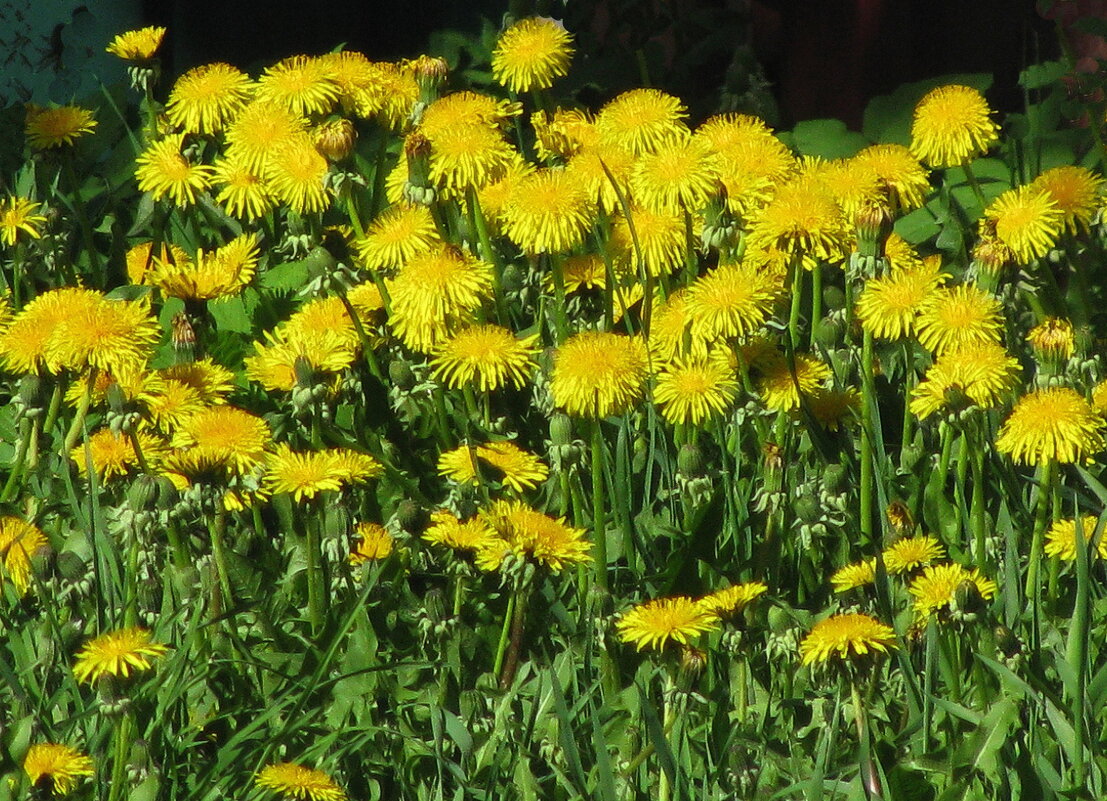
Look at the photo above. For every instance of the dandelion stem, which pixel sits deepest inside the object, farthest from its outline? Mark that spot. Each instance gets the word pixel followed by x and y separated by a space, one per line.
pixel 976 507
pixel 868 400
pixel 970 176
pixel 78 424
pixel 797 297
pixel 505 636
pixel 599 522
pixel 222 598
pixel 25 432
pixel 314 549
pixel 120 750
pixel 816 301
pixel 515 643
pixel 1046 477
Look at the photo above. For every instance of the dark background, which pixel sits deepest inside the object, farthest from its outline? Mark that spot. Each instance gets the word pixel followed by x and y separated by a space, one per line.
pixel 787 60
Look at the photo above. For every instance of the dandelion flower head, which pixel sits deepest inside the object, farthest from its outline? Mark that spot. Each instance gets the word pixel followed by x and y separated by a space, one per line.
pixel 299 782
pixel 952 125
pixel 62 765
pixel 117 653
pixel 1053 424
pixel 656 623
pixel 531 54
pixel 845 637
pixel 598 374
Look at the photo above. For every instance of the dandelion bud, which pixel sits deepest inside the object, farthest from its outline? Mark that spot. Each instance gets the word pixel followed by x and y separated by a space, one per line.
pixel 430 72
pixel 30 391
pixel 411 517
pixel 335 139
pixel 967 600
pixel 900 518
pixel 692 662
pixel 874 224
pixel 690 460
pixel 561 430
pixel 1053 341
pixel 835 478
pixel 401 375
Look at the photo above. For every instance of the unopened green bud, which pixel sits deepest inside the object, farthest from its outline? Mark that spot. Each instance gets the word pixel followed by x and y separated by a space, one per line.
pixel 561 429
pixel 690 460
pixel 834 478
pixel 401 374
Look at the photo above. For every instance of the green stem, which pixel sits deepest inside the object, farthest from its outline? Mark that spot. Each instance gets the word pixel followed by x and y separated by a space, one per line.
pixel 222 597
pixel 976 508
pixel 561 319
pixel 868 399
pixel 120 751
pixel 505 637
pixel 1047 474
pixel 797 297
pixel 599 522
pixel 816 302
pixel 314 548
pixel 664 790
pixel 515 644
pixel 26 429
pixel 970 176
pixel 868 770
pixel 78 424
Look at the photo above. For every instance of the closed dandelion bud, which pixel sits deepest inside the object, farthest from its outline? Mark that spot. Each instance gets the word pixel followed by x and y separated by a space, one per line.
pixel 411 517
pixel 1053 342
pixel 641 453
pixel 967 600
pixel 690 460
pixel 512 279
pixel 418 188
pixel 1006 641
pixel 828 332
pixel 30 391
pixel 305 373
pixel 301 398
pixel 335 139
pixel 692 663
pixel 833 298
pixel 143 492
pixel 900 518
pixel 561 430
pixel 834 479
pixel 182 335
pixel 401 375
pixel 808 507
pixel 430 72
pixel 874 224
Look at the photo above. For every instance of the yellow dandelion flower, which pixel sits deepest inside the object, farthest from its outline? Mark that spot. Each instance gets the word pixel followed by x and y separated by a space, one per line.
pixel 910 553
pixel 321 316
pixel 751 160
pixel 212 381
pixel 852 576
pixel 1060 540
pixel 852 185
pixel 1075 190
pixel 1054 424
pixel 848 636
pixel 113 455
pixel 528 533
pixel 287 358
pixel 982 373
pixel 56 127
pixel 374 543
pixel 23 343
pixel 682 174
pixel 468 156
pixel 1099 398
pixel 302 475
pixel 485 356
pixel 113 335
pixel 1027 220
pixel 952 125
pixel 258 130
pixel 220 273
pixel 224 436
pixel 170 402
pixel 889 305
pixel 206 98
pixel 898 172
pixel 598 374
pixel 960 315
pixel 62 765
pixel 447 529
pixel 531 54
pixel 302 84
pixel 466 109
pixel 295 174
pixel 117 653
pixel 732 600
pixel 656 623
pixel 642 120
pixel 599 168
pixel 548 212
pixel 492 197
pixel 353 467
pixel 581 272
pixel 661 240
pixel 19 542
pixel 141 258
pixel 669 329
pixel 394 98
pixel 18 214
pixel 778 386
pixel 399 233
pixel 433 291
pixel 802 219
pixel 245 194
pixel 936 589
pixel 138 45
pixel 163 170
pixel 564 134
pixel 355 77
pixel 516 468
pixel 694 390
pixel 300 783
pixel 732 300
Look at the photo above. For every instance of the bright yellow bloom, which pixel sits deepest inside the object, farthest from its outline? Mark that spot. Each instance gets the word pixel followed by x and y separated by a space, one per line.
pixel 909 553
pixel 113 455
pixel 117 653
pixel 212 381
pixel 778 386
pixel 661 241
pixel 245 193
pixel 681 175
pixel 752 161
pixel 548 211
pixel 598 374
pixel 956 316
pixel 138 45
pixel 802 219
pixel 220 273
pixel 18 214
pixel 516 468
pixel 1054 424
pixel 952 125
pixel 224 437
pixel 113 335
pixel 898 171
pixel 733 599
pixel 655 623
pixel 435 291
pixel 62 765
pixel 468 156
pixel 470 535
pixel 305 475
pixel 983 373
pixel 300 783
pixel 527 533
pixel 1060 540
pixel 642 120
pixel 55 127
pixel 485 356
pixel 1027 220
pixel 830 407
pixel 1053 339
pixel 599 169
pixel 562 135
pixel 19 542
pixel 693 390
pixel 400 232
pixel 302 84
pixel 374 543
pixel 206 98
pixel 141 259
pixel 733 300
pixel 295 173
pixel 936 589
pixel 288 358
pixel 256 132
pixel 889 305
pixel 844 637
pixel 23 342
pixel 852 576
pixel 531 54
pixel 1076 191
pixel 162 170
